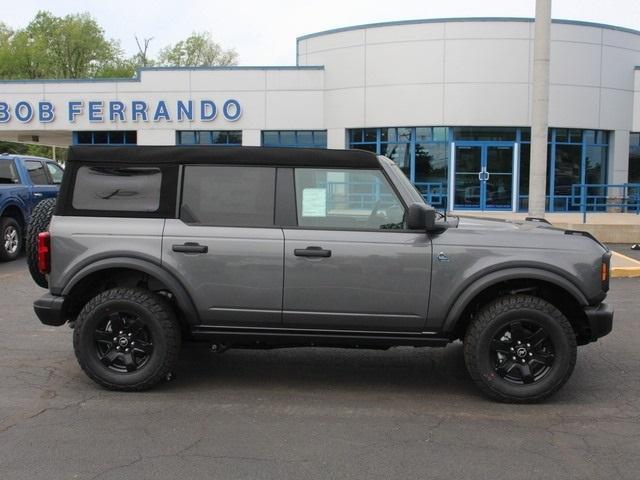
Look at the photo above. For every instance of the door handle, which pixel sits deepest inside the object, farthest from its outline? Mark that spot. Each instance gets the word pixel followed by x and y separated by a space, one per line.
pixel 37 194
pixel 312 252
pixel 190 247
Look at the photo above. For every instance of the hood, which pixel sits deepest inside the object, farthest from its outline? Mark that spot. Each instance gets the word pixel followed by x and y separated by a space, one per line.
pixel 528 227
pixel 484 223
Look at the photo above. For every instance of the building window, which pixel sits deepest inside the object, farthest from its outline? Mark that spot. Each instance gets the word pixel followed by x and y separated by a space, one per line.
pixel 574 157
pixel 485 134
pixel 98 137
pixel 230 138
pixel 421 152
pixel 634 158
pixel 294 138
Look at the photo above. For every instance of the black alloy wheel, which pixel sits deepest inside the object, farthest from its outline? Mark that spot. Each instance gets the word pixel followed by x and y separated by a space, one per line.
pixel 522 352
pixel 123 342
pixel 127 339
pixel 520 349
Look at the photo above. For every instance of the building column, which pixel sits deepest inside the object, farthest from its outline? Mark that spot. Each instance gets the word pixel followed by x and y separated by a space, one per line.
pixel 337 138
pixel 618 164
pixel 251 138
pixel 540 109
pixel 618 168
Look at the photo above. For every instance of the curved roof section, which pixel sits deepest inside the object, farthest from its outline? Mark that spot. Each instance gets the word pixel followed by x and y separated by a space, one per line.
pixel 463 19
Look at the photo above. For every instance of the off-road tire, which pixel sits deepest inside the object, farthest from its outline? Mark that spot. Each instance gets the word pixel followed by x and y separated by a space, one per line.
pixel 40 219
pixel 6 224
pixel 157 315
pixel 497 315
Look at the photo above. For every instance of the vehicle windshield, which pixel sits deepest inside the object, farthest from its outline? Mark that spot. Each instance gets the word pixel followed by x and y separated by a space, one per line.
pixel 402 179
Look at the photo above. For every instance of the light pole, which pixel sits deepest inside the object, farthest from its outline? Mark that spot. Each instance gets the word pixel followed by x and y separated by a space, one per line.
pixel 540 109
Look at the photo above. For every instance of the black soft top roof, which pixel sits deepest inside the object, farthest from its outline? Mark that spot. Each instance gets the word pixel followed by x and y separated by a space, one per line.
pixel 187 154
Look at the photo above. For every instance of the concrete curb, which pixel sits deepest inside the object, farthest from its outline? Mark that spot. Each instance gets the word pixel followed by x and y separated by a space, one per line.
pixel 625 272
pixel 624 267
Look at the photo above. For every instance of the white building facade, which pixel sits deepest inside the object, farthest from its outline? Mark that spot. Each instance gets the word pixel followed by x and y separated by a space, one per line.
pixel 449 100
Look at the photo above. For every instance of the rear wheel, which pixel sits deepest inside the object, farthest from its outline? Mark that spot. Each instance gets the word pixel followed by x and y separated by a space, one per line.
pixel 520 349
pixel 11 240
pixel 127 339
pixel 39 222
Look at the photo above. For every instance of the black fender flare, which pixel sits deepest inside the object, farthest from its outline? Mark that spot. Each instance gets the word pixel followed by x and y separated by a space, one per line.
pixel 182 297
pixel 493 278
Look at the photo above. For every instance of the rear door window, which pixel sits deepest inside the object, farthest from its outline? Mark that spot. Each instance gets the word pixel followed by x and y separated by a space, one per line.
pixel 36 172
pixel 120 189
pixel 220 195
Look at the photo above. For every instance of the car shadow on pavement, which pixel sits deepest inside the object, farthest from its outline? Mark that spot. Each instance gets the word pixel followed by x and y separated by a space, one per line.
pixel 400 370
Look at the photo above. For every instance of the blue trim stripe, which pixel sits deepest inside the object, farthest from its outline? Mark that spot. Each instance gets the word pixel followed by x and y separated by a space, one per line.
pixel 462 19
pixel 136 77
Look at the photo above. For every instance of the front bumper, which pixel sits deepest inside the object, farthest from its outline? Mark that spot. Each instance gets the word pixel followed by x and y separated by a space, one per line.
pixel 50 310
pixel 600 319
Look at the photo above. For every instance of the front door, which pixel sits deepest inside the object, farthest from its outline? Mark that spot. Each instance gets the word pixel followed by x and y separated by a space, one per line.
pixel 483 176
pixel 350 264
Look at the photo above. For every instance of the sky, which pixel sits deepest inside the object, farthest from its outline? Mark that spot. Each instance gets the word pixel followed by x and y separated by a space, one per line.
pixel 264 32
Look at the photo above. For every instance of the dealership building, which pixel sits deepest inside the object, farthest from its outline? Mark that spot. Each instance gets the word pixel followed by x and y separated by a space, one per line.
pixel 449 100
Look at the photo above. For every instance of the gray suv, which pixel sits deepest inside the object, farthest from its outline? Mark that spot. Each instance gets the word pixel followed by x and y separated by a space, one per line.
pixel 267 247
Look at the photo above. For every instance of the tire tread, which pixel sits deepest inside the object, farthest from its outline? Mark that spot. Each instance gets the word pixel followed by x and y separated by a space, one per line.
pixel 38 223
pixel 163 313
pixel 498 307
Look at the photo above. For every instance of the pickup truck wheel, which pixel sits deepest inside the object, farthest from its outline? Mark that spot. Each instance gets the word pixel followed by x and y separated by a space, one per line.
pixel 40 219
pixel 520 349
pixel 127 339
pixel 11 241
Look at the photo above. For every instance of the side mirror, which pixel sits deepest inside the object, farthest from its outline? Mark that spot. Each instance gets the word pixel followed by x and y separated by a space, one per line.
pixel 421 217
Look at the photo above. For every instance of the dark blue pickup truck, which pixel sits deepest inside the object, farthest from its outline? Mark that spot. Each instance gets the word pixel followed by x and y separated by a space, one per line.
pixel 24 182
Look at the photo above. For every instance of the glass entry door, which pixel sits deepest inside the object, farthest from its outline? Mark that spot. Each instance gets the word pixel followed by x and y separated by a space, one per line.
pixel 483 176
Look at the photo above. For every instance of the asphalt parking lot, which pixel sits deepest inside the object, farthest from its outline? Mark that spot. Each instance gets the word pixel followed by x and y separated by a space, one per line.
pixel 310 413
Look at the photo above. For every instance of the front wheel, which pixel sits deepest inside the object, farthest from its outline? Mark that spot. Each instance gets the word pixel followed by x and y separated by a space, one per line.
pixel 127 339
pixel 520 349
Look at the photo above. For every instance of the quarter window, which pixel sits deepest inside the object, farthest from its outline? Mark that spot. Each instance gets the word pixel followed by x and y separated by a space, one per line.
pixel 218 195
pixel 346 199
pixel 131 189
pixel 55 172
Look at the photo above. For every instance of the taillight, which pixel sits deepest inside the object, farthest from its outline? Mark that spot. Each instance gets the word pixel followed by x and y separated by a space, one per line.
pixel 44 252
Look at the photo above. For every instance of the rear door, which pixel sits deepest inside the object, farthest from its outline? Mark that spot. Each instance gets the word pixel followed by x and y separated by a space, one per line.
pixel 42 185
pixel 350 263
pixel 225 247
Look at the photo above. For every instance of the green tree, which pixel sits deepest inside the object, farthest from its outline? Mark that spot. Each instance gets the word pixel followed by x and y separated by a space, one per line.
pixel 5 45
pixel 34 150
pixel 119 68
pixel 198 50
pixel 73 46
pixel 76 44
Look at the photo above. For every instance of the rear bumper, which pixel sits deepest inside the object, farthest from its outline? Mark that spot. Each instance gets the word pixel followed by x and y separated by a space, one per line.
pixel 600 318
pixel 49 309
